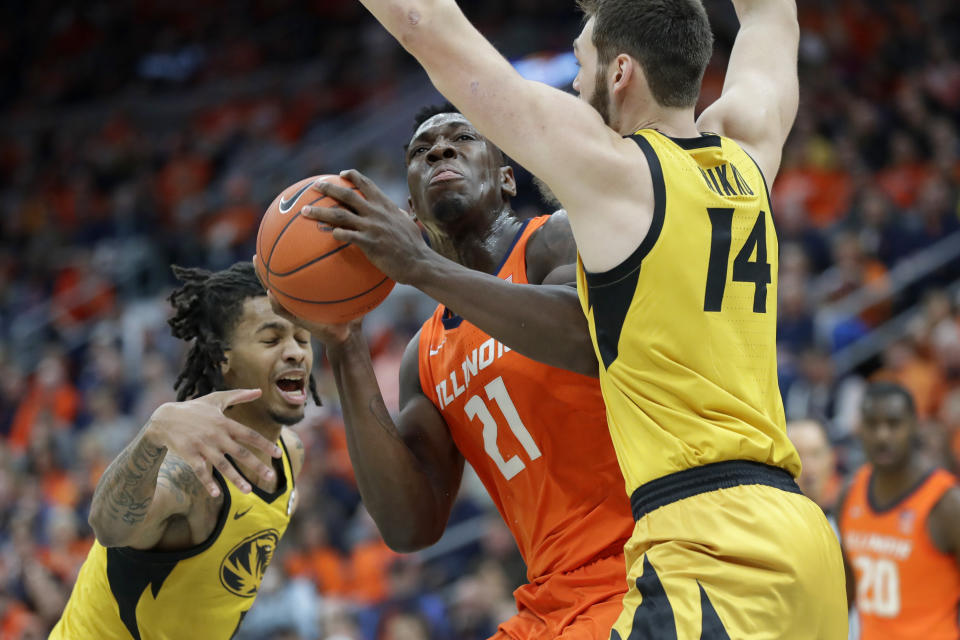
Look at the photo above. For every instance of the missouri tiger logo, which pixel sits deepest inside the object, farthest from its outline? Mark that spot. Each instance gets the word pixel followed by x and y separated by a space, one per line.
pixel 242 569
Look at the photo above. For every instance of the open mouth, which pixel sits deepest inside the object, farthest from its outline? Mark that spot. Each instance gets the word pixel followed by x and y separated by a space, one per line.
pixel 293 389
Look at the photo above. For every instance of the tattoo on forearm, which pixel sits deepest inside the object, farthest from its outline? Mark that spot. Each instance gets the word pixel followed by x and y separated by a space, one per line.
pixel 128 484
pixel 179 479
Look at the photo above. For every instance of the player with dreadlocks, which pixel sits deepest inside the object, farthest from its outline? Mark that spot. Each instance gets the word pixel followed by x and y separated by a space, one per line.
pixel 180 551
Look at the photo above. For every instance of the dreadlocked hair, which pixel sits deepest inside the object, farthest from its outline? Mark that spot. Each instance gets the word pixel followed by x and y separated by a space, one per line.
pixel 206 310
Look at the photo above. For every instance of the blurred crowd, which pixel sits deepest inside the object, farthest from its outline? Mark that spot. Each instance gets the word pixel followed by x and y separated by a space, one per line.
pixel 136 135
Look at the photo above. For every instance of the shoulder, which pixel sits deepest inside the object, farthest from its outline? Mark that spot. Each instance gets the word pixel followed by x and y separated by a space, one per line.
pixel 754 127
pixel 295 449
pixel 844 499
pixel 944 521
pixel 550 246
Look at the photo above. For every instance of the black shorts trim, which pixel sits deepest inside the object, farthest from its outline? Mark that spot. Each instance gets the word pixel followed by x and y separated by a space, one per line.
pixel 719 475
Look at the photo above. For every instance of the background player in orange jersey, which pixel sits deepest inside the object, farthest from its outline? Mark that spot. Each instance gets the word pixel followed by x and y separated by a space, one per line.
pixel 535 433
pixel 900 524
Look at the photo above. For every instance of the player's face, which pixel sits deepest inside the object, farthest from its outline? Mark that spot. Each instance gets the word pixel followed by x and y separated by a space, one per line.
pixel 452 169
pixel 271 353
pixel 591 81
pixel 887 430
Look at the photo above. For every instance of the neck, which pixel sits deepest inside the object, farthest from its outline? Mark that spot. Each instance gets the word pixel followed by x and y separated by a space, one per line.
pixel 889 484
pixel 269 429
pixel 675 123
pixel 479 247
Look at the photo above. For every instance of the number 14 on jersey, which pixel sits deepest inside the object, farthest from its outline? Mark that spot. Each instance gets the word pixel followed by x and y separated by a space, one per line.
pixel 755 271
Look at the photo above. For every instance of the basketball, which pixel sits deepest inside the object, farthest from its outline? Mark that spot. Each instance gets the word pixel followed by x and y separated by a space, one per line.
pixel 313 275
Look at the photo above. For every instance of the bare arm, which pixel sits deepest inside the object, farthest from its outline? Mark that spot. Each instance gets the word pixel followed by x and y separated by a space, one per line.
pixel 848 573
pixel 761 91
pixel 944 523
pixel 542 320
pixel 148 482
pixel 591 169
pixel 123 508
pixel 408 472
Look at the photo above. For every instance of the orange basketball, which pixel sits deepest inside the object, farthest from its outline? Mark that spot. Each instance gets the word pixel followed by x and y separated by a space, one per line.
pixel 313 275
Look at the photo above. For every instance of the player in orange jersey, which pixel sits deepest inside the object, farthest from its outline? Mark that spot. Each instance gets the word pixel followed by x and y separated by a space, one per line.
pixel 473 384
pixel 900 524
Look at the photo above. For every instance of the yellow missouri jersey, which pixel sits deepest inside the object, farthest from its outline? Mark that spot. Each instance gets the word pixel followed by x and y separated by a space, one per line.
pixel 685 328
pixel 203 592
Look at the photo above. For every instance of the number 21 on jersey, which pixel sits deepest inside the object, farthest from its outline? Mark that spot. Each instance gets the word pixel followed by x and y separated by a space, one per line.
pixel 477 408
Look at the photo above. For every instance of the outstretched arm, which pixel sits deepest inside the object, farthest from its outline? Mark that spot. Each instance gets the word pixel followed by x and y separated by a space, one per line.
pixel 408 471
pixel 542 320
pixel 761 91
pixel 159 474
pixel 556 136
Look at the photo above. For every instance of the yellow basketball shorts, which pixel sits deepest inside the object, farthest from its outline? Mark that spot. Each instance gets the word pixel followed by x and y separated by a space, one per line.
pixel 731 551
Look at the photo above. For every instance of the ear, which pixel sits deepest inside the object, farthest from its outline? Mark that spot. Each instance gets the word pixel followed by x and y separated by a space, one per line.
pixel 225 365
pixel 508 182
pixel 626 70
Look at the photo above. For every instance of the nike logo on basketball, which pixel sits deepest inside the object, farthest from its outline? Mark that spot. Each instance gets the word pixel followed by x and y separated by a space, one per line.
pixel 286 205
pixel 240 514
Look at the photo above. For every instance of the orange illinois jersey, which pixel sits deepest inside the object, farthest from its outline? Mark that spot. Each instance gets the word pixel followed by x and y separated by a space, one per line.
pixel 906 587
pixel 536 436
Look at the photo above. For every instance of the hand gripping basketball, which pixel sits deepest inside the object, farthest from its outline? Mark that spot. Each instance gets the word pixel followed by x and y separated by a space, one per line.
pixel 368 219
pixel 311 273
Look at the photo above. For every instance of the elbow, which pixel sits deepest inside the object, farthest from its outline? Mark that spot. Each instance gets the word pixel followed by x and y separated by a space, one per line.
pixel 587 363
pixel 409 539
pixel 105 531
pixel 581 358
pixel 412 20
pixel 105 536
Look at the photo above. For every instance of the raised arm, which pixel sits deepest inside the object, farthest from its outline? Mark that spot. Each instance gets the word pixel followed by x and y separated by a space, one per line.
pixel 761 91
pixel 165 468
pixel 408 471
pixel 553 134
pixel 542 320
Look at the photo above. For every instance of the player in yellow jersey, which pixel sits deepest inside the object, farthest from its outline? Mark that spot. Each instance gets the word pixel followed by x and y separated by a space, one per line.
pixel 180 551
pixel 678 279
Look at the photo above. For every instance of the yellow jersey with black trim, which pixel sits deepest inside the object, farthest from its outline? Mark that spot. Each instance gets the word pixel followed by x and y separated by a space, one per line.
pixel 202 592
pixel 685 328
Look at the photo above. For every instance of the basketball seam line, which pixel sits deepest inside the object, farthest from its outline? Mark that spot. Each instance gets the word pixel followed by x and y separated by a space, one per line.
pixel 307 264
pixel 284 230
pixel 362 293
